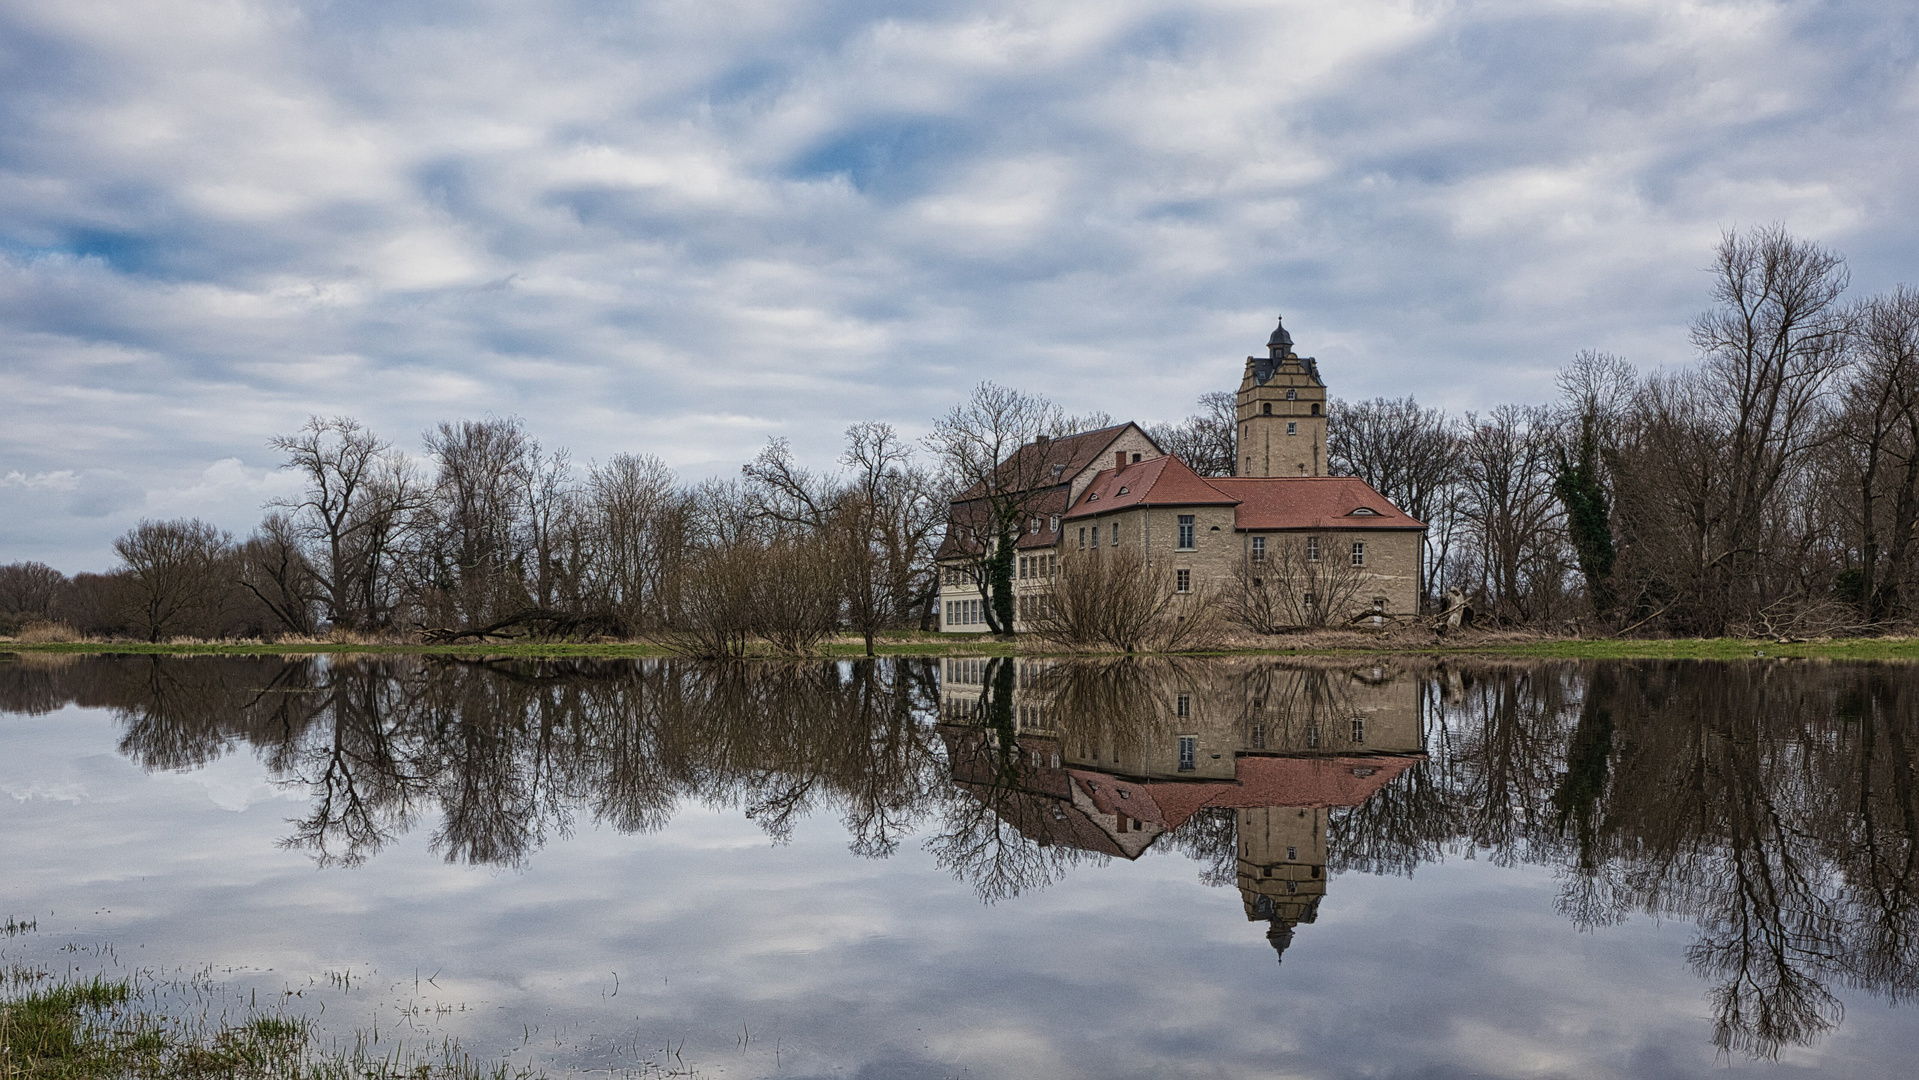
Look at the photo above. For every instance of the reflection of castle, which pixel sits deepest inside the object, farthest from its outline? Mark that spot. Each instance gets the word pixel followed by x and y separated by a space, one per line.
pixel 1110 769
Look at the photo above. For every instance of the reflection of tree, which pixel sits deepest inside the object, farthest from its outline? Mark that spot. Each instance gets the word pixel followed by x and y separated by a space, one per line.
pixel 1774 805
pixel 994 832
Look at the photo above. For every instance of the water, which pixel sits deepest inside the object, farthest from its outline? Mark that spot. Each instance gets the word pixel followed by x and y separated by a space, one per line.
pixel 988 869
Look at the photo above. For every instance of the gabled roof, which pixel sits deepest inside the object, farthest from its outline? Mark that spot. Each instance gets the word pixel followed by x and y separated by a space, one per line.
pixel 1031 466
pixel 1310 502
pixel 1163 481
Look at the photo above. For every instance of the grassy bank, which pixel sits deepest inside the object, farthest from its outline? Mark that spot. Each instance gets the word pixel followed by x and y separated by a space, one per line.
pixel 100 1028
pixel 932 645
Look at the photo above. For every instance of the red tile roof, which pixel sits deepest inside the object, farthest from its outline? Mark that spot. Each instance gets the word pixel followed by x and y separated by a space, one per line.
pixel 1031 465
pixel 1310 502
pixel 1163 481
pixel 1257 781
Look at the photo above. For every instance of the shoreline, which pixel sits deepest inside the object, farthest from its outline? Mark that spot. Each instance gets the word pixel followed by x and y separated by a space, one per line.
pixel 1875 648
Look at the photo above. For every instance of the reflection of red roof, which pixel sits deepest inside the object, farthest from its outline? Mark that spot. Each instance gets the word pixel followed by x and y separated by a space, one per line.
pixel 1257 781
pixel 1310 502
pixel 1163 481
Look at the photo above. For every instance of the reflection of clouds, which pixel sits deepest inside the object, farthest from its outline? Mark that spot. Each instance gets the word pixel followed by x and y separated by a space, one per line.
pixel 1118 969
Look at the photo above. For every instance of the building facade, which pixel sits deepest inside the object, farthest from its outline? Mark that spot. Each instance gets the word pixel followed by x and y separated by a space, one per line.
pixel 1331 549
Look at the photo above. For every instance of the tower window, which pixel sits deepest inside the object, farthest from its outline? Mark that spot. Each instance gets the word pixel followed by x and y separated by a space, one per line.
pixel 1315 408
pixel 1266 409
pixel 1292 395
pixel 1292 427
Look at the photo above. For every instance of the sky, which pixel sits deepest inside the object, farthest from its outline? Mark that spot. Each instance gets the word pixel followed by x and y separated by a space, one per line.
pixel 686 227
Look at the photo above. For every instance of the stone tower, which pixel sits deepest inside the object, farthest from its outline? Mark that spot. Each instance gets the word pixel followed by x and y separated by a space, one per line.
pixel 1282 413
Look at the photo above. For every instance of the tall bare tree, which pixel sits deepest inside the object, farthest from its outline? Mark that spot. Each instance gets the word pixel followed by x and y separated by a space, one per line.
pixel 1768 348
pixel 1000 488
pixel 358 502
pixel 1878 428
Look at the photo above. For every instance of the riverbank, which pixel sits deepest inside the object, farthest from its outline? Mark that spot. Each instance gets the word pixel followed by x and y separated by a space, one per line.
pixel 1518 646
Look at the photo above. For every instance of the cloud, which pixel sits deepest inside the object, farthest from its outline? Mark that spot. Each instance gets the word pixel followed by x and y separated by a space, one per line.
pixel 684 229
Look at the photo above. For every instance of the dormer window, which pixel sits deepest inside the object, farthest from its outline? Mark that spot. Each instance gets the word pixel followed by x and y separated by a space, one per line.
pixel 1365 511
pixel 1094 497
pixel 1124 490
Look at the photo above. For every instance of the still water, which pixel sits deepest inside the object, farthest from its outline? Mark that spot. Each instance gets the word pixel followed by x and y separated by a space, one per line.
pixel 922 869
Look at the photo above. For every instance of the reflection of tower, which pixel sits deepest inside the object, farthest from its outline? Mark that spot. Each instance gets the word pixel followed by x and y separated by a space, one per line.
pixel 1282 867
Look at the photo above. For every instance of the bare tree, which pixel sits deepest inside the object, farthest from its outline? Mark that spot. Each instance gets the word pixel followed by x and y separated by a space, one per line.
pixel 1596 395
pixel 1413 456
pixel 271 566
pixel 636 525
pixel 358 500
pixel 1289 586
pixel 1878 428
pixel 177 572
pixel 1512 516
pixel 1206 440
pixel 1000 488
pixel 1768 349
pixel 28 592
pixel 1121 600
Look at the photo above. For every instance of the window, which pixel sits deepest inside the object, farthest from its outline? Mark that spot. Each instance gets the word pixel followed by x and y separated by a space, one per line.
pixel 1292 853
pixel 1292 427
pixel 1082 537
pixel 1183 705
pixel 1292 395
pixel 949 613
pixel 1258 738
pixel 1379 605
pixel 1186 531
pixel 1310 601
pixel 1022 568
pixel 1359 731
pixel 1312 549
pixel 1182 581
pixel 1266 409
pixel 1124 490
pixel 1135 459
pixel 1359 553
pixel 1259 549
pixel 1033 526
pixel 1052 523
pixel 1188 752
pixel 1312 739
pixel 1315 408
pixel 1115 534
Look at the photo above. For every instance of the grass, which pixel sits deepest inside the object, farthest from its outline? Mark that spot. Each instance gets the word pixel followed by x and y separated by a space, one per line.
pixel 104 1029
pixel 935 645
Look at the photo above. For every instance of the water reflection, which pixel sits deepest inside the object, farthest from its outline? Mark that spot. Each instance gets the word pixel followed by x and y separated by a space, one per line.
pixel 1771 804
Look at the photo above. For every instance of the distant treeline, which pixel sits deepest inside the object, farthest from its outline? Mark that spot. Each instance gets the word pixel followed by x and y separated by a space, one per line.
pixel 1770 488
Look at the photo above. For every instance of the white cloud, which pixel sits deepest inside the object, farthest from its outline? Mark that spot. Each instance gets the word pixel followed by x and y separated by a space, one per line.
pixel 682 228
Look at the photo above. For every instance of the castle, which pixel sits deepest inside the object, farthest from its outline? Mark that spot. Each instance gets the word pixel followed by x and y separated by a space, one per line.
pixel 1328 549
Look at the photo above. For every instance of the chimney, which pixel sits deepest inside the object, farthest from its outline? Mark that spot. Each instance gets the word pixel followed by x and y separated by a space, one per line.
pixel 1119 459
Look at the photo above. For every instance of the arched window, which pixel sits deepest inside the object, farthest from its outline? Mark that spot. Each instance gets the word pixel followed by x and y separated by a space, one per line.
pixel 1266 409
pixel 1315 409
